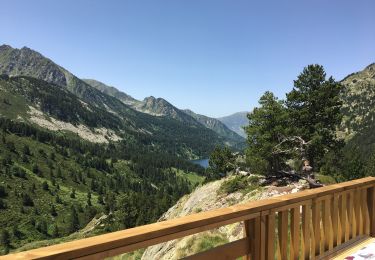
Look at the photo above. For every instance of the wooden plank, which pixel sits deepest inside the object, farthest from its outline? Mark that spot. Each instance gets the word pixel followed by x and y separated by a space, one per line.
pixel 351 220
pixel 306 223
pixel 344 218
pixel 341 213
pixel 249 226
pixel 336 232
pixel 135 238
pixel 357 211
pixel 371 210
pixel 315 242
pixel 327 237
pixel 295 233
pixel 263 235
pixel 366 218
pixel 271 233
pixel 283 233
pixel 228 251
pixel 257 238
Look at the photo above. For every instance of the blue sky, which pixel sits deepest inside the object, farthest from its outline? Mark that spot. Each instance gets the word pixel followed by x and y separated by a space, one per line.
pixel 215 57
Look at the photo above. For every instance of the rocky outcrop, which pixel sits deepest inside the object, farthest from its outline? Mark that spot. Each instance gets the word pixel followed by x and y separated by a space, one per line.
pixel 208 197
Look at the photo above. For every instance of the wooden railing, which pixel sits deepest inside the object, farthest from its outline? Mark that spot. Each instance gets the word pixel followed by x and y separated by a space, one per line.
pixel 310 224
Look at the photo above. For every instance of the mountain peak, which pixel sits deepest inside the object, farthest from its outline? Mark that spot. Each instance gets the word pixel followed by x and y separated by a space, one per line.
pixel 149 98
pixel 5 47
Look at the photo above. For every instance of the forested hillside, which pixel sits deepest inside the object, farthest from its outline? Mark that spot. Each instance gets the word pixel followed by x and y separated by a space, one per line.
pixel 52 185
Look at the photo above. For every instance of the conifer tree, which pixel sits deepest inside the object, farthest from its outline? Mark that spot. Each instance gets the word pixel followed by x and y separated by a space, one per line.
pixel 314 112
pixel 267 125
pixel 73 224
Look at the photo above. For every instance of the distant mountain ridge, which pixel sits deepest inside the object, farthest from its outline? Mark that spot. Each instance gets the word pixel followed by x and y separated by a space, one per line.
pixel 236 122
pixel 161 107
pixel 214 124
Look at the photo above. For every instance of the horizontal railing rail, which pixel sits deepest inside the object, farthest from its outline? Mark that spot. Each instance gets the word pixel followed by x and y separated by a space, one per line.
pixel 304 225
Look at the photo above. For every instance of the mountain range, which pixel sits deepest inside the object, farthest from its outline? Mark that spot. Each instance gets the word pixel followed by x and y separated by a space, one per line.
pixel 153 119
pixel 161 107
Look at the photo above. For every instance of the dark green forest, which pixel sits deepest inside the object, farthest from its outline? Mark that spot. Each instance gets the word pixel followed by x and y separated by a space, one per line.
pixel 52 185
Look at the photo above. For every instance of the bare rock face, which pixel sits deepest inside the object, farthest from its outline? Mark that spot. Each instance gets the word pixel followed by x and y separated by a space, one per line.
pixel 27 62
pixel 205 198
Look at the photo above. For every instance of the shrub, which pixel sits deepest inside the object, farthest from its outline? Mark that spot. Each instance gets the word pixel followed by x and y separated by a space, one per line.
pixel 232 185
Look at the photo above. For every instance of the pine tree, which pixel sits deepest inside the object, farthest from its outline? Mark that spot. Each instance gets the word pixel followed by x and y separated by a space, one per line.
pixel 55 231
pixel 5 238
pixel 73 224
pixel 58 199
pixel 26 150
pixel 45 186
pixel 73 194
pixel 59 174
pixel 314 108
pixel 89 199
pixel 36 169
pixel 53 211
pixel 2 204
pixel 100 199
pixel 267 125
pixel 15 231
pixel 26 200
pixel 221 160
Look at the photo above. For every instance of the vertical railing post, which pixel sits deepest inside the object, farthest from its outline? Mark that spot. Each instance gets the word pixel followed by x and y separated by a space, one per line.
pixel 255 230
pixel 249 232
pixel 315 239
pixel 306 234
pixel 283 234
pixel 295 233
pixel 371 209
pixel 263 235
pixel 271 233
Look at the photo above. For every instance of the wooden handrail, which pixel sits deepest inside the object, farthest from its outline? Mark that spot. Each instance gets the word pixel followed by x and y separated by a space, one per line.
pixel 310 208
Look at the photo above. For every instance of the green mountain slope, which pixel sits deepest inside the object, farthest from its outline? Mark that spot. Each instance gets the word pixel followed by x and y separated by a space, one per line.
pixel 184 138
pixel 359 100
